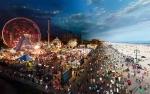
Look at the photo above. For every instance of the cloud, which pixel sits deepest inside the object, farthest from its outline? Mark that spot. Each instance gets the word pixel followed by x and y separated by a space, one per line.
pixel 133 6
pixel 137 32
pixel 90 2
pixel 56 12
pixel 128 23
pixel 129 15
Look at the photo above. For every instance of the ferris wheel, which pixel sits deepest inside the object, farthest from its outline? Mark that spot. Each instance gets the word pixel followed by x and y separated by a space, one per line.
pixel 15 28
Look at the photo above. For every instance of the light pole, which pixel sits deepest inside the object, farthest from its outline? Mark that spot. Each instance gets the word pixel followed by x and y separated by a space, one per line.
pixel 136 51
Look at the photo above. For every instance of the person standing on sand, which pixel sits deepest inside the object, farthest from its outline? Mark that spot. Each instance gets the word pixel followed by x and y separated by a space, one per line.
pixel 141 90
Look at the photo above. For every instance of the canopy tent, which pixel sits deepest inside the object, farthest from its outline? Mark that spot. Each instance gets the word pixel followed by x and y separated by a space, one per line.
pixel 25 58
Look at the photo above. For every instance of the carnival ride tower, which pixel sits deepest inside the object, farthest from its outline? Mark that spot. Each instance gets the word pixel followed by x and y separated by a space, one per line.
pixel 48 33
pixel 24 41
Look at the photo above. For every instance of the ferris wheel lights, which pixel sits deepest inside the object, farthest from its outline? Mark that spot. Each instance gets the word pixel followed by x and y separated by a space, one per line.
pixel 36 46
pixel 20 26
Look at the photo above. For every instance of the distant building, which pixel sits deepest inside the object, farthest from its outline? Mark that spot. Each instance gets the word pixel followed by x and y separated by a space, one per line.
pixel 56 43
pixel 72 43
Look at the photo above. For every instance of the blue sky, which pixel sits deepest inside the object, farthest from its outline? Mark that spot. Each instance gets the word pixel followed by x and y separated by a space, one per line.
pixel 128 21
pixel 111 20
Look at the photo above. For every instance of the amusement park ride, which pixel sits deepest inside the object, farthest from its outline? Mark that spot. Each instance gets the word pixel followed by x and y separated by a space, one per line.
pixel 22 36
pixel 25 39
pixel 19 31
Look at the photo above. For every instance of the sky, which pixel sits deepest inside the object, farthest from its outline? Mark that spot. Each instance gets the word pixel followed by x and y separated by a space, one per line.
pixel 110 20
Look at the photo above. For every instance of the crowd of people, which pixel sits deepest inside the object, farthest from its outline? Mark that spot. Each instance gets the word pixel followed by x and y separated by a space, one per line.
pixel 107 71
pixel 97 78
pixel 45 71
pixel 103 70
pixel 134 74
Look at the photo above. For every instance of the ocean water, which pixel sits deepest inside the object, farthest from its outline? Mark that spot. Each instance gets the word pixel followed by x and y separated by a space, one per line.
pixel 137 43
